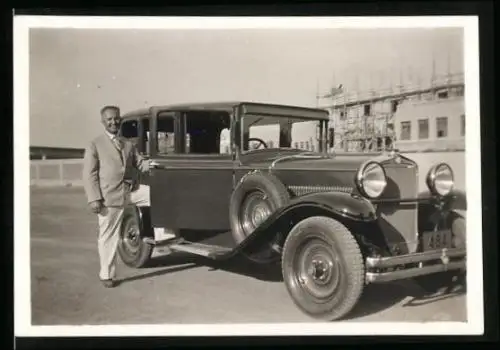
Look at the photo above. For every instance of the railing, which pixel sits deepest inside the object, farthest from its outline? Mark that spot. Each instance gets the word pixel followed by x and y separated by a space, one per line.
pixel 56 172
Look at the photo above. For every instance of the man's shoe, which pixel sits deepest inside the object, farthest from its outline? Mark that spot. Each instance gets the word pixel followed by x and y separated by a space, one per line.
pixel 109 283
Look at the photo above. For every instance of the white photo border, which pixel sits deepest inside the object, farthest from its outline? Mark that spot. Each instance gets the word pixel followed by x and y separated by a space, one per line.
pixel 22 266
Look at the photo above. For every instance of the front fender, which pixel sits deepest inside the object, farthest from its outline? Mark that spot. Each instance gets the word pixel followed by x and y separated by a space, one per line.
pixel 342 205
pixel 354 209
pixel 346 205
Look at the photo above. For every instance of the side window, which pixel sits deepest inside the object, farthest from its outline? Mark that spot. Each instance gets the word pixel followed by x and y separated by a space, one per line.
pixel 129 129
pixel 423 129
pixel 405 131
pixel 442 127
pixel 204 133
pixel 225 141
pixel 165 134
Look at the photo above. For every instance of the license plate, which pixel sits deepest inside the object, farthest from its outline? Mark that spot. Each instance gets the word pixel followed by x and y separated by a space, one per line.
pixel 437 240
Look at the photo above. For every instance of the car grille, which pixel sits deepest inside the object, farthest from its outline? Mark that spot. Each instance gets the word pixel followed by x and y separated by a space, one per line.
pixel 303 190
pixel 399 220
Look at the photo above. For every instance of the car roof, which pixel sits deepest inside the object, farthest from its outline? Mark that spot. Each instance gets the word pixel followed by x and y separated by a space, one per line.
pixel 220 106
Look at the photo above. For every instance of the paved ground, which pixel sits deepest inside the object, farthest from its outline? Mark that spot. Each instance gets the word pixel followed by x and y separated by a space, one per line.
pixel 178 289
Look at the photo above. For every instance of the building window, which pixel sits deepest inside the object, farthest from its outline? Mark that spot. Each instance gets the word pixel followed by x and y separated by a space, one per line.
pixel 423 129
pixel 307 145
pixel 405 131
pixel 443 94
pixel 342 115
pixel 462 125
pixel 367 109
pixel 394 106
pixel 296 145
pixel 271 143
pixel 301 144
pixel 442 127
pixel 331 137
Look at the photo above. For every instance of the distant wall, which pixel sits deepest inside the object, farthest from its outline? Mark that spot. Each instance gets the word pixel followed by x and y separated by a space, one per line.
pixel 56 172
pixel 68 172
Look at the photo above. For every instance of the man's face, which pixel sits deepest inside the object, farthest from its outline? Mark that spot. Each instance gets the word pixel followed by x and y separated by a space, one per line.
pixel 111 121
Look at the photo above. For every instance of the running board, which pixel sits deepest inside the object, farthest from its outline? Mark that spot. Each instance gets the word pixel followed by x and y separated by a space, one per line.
pixel 209 251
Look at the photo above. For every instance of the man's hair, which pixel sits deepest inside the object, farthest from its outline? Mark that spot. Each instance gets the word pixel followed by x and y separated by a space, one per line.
pixel 106 108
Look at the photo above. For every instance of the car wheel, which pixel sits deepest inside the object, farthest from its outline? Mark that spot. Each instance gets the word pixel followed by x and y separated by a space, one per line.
pixel 254 199
pixel 133 251
pixel 323 268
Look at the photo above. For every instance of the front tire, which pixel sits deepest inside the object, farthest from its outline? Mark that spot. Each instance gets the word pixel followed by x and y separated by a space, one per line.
pixel 323 268
pixel 133 251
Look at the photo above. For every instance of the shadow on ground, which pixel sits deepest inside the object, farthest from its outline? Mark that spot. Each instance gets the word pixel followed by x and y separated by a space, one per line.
pixel 376 298
pixel 237 265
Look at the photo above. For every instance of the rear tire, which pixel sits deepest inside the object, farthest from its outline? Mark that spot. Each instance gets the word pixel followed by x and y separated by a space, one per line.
pixel 323 268
pixel 133 251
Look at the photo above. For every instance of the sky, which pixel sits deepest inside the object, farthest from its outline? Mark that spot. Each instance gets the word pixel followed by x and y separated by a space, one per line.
pixel 74 72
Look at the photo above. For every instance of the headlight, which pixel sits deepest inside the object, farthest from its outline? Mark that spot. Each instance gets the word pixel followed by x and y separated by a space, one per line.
pixel 440 179
pixel 371 180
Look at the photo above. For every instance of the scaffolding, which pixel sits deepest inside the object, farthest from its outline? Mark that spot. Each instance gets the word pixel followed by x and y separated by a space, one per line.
pixel 364 120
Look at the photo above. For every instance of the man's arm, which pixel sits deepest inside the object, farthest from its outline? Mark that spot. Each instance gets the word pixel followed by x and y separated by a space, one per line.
pixel 91 174
pixel 140 162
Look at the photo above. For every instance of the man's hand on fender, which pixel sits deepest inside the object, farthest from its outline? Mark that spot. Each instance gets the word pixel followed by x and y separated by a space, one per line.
pixel 96 206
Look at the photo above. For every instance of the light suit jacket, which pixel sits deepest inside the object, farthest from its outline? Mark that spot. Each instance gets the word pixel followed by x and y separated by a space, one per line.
pixel 104 172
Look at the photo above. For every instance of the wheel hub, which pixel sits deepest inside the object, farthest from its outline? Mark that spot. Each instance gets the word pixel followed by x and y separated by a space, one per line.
pixel 131 239
pixel 255 210
pixel 320 270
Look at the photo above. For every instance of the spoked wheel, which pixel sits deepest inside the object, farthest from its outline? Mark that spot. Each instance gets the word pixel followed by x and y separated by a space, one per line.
pixel 255 209
pixel 133 251
pixel 323 268
pixel 253 201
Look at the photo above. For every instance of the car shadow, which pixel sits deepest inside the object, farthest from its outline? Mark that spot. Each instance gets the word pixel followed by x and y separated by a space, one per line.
pixel 376 297
pixel 379 297
pixel 241 266
pixel 161 272
pixel 237 265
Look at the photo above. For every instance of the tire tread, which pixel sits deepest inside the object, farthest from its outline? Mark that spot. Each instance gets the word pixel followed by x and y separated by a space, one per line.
pixel 354 264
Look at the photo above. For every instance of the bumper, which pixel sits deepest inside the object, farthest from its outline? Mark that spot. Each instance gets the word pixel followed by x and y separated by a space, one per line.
pixel 433 262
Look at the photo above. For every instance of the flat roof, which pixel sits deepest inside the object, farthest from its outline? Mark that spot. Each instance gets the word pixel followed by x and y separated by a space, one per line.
pixel 228 107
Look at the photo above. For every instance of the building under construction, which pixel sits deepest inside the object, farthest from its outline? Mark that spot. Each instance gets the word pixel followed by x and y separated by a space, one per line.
pixel 408 117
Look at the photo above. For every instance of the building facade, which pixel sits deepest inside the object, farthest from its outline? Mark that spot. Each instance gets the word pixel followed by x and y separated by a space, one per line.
pixel 409 118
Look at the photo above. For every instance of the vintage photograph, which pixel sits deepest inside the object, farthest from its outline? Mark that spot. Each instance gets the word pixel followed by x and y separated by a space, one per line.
pixel 232 173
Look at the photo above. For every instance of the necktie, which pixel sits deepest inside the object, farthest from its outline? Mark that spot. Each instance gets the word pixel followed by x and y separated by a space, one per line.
pixel 118 145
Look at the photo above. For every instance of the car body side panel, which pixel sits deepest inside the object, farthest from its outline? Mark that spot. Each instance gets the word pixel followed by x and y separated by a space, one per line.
pixel 189 193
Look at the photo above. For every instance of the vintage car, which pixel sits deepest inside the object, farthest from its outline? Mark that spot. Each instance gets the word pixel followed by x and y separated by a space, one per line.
pixel 335 222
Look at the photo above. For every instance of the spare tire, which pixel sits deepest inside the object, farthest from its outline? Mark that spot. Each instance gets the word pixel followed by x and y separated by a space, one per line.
pixel 254 199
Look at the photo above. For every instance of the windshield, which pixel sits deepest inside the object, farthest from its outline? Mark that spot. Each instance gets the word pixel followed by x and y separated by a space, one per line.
pixel 261 132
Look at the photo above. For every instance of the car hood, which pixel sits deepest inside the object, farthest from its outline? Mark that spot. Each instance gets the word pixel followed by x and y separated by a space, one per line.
pixel 312 170
pixel 308 161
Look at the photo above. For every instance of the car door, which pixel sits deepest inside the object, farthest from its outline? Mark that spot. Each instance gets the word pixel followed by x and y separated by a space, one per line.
pixel 190 189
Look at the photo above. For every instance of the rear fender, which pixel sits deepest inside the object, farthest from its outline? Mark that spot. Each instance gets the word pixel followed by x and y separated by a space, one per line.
pixel 355 212
pixel 144 216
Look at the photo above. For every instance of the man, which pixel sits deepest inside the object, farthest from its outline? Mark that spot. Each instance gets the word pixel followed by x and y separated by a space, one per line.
pixel 107 159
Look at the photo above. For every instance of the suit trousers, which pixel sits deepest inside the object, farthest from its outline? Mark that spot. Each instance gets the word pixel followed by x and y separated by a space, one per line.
pixel 110 221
